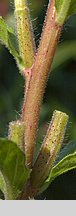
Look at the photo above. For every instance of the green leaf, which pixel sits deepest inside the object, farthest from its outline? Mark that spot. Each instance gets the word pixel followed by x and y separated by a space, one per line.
pixel 72 9
pixel 64 164
pixel 64 8
pixel 70 148
pixel 13 173
pixel 8 38
pixel 3 32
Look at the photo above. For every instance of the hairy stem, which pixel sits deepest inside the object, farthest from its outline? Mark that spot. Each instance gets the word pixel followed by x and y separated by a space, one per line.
pixel 62 10
pixel 28 192
pixel 16 133
pixel 25 33
pixel 49 149
pixel 47 154
pixel 39 75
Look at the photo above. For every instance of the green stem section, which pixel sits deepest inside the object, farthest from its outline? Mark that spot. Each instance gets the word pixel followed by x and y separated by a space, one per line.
pixel 16 133
pixel 47 154
pixel 49 149
pixel 39 75
pixel 62 7
pixel 25 33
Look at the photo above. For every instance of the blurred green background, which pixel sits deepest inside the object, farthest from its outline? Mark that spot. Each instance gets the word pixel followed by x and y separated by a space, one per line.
pixel 60 91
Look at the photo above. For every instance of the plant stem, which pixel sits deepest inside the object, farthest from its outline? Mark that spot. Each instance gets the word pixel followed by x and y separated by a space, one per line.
pixel 47 154
pixel 62 9
pixel 16 133
pixel 28 192
pixel 49 149
pixel 25 33
pixel 39 74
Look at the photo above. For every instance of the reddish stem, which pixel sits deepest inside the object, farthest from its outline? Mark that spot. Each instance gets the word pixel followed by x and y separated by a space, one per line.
pixel 31 108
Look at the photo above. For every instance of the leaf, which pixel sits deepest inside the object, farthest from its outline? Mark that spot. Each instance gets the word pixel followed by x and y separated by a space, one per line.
pixel 3 32
pixel 70 148
pixel 13 173
pixel 66 164
pixel 72 9
pixel 8 38
pixel 64 9
pixel 65 52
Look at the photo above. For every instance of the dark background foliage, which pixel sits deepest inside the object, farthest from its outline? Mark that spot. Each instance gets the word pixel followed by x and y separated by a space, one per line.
pixel 60 91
